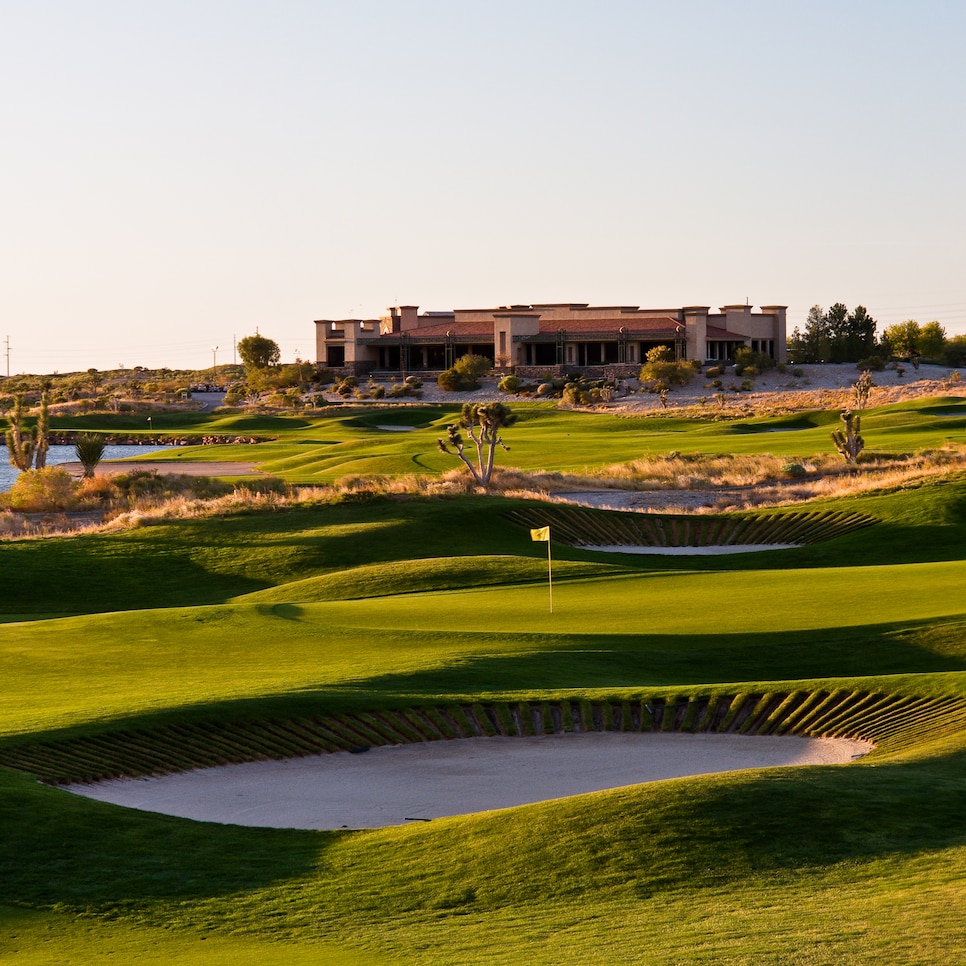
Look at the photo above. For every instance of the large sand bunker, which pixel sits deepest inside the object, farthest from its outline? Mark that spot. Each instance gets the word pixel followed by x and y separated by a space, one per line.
pixel 395 784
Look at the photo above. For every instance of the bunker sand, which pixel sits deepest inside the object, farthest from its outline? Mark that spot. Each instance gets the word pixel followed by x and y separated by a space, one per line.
pixel 396 784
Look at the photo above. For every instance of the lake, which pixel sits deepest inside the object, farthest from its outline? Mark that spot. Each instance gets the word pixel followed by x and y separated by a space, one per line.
pixel 66 454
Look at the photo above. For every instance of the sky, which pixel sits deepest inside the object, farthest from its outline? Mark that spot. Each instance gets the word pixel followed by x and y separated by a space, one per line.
pixel 175 176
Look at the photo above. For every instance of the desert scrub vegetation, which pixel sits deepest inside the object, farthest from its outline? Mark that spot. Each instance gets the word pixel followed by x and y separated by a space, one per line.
pixel 124 499
pixel 661 371
pixel 739 482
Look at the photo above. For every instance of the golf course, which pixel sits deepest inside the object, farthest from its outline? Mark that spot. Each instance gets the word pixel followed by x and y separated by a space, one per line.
pixel 405 609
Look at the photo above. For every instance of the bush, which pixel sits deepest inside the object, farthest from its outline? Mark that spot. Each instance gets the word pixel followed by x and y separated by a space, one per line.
pixel 662 372
pixel 954 351
pixel 40 491
pixel 871 364
pixel 347 385
pixel 510 384
pixel 406 389
pixel 746 358
pixel 465 374
pixel 449 380
pixel 794 470
pixel 472 367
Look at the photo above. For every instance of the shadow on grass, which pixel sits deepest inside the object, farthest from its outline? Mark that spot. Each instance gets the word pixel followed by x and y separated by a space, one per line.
pixel 56 849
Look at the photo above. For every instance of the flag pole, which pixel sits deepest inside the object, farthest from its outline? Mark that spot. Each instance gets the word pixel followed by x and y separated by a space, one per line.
pixel 549 570
pixel 541 534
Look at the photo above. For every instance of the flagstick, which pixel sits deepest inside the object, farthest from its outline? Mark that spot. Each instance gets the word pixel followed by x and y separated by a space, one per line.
pixel 550 573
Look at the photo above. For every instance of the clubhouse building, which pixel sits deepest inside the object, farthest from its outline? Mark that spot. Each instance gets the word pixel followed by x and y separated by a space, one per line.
pixel 546 337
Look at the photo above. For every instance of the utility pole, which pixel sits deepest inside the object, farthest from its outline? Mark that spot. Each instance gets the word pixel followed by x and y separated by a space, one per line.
pixel 214 358
pixel 8 356
pixel 234 350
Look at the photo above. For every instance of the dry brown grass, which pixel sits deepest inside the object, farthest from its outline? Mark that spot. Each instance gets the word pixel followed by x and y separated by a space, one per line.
pixel 711 404
pixel 715 484
pixel 672 483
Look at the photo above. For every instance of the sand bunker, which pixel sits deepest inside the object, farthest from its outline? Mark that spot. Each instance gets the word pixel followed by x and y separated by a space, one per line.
pixel 696 551
pixel 396 784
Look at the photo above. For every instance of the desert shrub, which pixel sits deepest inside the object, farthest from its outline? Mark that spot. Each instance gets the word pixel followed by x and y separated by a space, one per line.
pixel 871 364
pixel 660 371
pixel 714 371
pixel 746 358
pixel 449 380
pixel 465 373
pixel 510 383
pixel 264 485
pixel 472 366
pixel 798 372
pixel 40 491
pixel 406 389
pixel 794 471
pixel 347 385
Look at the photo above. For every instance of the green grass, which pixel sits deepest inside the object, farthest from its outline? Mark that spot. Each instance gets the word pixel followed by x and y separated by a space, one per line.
pixel 340 441
pixel 386 603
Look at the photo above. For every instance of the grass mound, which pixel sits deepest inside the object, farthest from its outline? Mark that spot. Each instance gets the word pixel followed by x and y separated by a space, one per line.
pixel 893 721
pixel 582 527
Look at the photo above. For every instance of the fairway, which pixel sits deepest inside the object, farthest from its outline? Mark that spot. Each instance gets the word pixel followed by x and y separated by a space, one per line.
pixel 408 624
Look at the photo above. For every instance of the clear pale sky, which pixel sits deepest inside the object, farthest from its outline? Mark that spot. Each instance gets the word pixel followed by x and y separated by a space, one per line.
pixel 177 174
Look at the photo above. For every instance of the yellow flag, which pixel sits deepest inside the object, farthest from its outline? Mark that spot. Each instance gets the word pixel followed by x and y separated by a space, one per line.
pixel 541 534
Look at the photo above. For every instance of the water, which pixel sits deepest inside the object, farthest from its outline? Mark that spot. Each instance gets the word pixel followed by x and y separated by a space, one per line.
pixel 66 454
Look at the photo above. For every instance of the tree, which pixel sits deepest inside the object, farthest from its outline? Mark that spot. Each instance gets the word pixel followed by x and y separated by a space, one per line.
pixel 41 443
pixel 848 440
pixel 862 389
pixel 932 340
pixel 860 334
pixel 19 446
pixel 483 423
pixel 902 338
pixel 89 448
pixel 258 352
pixel 28 449
pixel 834 336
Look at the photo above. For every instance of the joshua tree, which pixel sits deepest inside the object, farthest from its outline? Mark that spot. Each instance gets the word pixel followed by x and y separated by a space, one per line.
pixel 89 448
pixel 41 443
pixel 847 439
pixel 482 423
pixel 861 389
pixel 20 446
